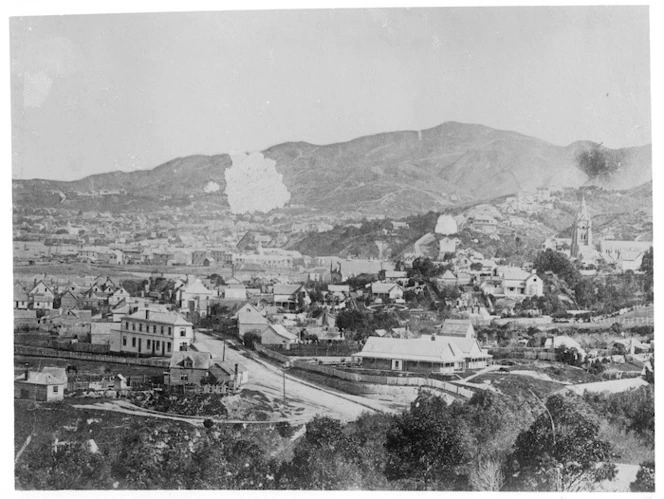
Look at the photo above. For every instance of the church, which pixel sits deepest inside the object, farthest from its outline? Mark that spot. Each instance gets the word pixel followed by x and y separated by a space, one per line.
pixel 582 234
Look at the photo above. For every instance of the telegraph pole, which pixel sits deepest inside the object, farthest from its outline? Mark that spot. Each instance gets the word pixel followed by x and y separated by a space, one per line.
pixel 283 375
pixel 223 355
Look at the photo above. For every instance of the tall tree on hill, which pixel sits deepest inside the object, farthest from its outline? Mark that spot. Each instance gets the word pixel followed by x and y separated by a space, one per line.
pixel 561 450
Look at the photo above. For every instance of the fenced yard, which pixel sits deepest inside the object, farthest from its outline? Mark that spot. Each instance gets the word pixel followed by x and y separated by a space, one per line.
pixel 333 349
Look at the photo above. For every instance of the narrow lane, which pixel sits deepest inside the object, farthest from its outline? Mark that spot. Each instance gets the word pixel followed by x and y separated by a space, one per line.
pixel 314 399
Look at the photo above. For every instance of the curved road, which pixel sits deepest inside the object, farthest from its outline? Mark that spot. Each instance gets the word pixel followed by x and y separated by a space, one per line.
pixel 313 399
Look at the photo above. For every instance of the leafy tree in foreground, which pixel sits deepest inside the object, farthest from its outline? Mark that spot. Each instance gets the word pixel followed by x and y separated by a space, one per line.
pixel 645 478
pixel 560 451
pixel 427 447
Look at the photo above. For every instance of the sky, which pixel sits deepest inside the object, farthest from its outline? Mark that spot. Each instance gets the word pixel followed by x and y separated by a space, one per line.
pixel 98 93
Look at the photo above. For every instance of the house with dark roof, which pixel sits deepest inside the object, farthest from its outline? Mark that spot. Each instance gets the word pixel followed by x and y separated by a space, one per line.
pixel 47 385
pixel 21 298
pixel 276 334
pixel 289 296
pixel 188 368
pixel 459 328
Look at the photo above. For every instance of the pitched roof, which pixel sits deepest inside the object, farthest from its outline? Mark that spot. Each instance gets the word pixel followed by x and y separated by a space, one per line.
pixel 280 330
pixel 199 360
pixel 456 327
pixel 286 289
pixel 408 349
pixel 382 287
pixel 47 376
pixel 248 314
pixel 161 317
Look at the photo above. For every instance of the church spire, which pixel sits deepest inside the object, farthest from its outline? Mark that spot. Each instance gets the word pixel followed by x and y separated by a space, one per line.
pixel 583 211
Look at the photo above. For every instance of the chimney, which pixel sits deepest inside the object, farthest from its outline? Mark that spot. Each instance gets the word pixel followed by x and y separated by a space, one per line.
pixel 26 375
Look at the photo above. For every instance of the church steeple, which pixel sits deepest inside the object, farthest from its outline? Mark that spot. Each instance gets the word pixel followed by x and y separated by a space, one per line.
pixel 582 231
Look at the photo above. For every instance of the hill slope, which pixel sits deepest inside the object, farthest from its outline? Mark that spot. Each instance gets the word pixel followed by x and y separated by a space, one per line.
pixel 395 173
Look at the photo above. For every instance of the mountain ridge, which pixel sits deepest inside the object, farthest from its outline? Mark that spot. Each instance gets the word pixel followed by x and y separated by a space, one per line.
pixel 391 173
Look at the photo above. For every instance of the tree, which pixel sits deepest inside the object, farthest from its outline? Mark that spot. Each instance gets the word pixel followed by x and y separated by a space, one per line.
pixel 561 450
pixel 647 268
pixel 427 447
pixel 570 356
pixel 559 264
pixel 645 478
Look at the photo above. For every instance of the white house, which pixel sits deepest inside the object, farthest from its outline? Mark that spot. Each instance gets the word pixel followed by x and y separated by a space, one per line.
pixel 152 332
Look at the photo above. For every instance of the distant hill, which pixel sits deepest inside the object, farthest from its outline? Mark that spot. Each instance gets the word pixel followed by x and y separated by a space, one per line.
pixel 394 174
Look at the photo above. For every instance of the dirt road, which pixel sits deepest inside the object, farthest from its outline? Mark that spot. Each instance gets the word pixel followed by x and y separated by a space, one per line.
pixel 314 399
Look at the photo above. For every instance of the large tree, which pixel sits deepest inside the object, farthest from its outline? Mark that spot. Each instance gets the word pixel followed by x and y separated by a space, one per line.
pixel 561 450
pixel 428 446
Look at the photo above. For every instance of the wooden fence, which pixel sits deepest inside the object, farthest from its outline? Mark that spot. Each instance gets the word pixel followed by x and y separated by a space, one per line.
pixel 66 354
pixel 271 353
pixel 321 349
pixel 385 380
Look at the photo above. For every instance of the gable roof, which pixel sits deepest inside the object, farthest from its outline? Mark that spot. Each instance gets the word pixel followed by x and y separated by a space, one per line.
pixel 280 330
pixel 47 376
pixel 199 360
pixel 456 328
pixel 408 349
pixel 382 287
pixel 286 289
pixel 248 314
pixel 160 316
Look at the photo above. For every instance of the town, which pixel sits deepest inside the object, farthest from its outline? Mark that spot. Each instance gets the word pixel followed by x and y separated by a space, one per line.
pixel 395 249
pixel 170 318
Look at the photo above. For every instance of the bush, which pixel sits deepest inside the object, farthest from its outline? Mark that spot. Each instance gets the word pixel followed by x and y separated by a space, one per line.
pixel 645 478
pixel 251 338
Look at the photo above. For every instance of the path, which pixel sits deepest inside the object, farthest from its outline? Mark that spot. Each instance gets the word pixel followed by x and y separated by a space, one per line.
pixel 313 398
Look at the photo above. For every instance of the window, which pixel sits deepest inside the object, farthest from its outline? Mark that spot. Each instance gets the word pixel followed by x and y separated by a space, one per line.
pixel 162 329
pixel 124 341
pixel 55 389
pixel 154 329
pixel 156 344
pixel 140 327
pixel 126 325
pixel 147 343
pixel 184 377
pixel 168 347
pixel 183 332
pixel 133 342
pixel 169 330
pixel 133 326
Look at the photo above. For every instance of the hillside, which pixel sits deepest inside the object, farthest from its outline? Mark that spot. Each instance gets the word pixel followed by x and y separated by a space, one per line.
pixel 394 174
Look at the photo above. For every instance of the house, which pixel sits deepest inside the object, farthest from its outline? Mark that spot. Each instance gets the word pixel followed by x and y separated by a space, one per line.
pixel 223 372
pixel 448 279
pixel 195 297
pixel 249 319
pixel 276 334
pixel 234 289
pixel 188 368
pixel 68 322
pixel 118 295
pixel 25 318
pixel 518 282
pixel 152 332
pixel 47 385
pixel 68 300
pixel 458 328
pixel 290 296
pixel 435 354
pixel 41 296
pixel 385 290
pixel 21 298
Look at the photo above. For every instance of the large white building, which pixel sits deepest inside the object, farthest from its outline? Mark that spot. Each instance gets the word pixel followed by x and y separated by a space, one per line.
pixel 152 333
